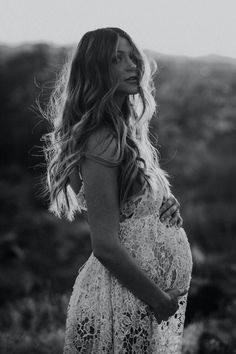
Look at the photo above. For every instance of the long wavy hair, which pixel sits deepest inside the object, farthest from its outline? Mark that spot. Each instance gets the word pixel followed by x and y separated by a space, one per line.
pixel 82 103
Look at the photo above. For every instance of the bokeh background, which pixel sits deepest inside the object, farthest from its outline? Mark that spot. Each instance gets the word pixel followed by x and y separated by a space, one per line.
pixel 196 92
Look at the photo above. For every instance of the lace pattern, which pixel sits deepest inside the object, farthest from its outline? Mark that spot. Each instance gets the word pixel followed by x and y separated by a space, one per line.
pixel 104 316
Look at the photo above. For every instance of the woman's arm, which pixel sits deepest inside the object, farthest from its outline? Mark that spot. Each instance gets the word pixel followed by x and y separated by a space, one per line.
pixel 101 193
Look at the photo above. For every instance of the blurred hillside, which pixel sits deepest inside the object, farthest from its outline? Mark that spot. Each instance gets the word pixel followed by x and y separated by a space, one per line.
pixel 197 133
pixel 196 130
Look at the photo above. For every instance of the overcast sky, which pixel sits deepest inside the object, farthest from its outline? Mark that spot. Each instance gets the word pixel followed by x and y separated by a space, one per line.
pixel 182 27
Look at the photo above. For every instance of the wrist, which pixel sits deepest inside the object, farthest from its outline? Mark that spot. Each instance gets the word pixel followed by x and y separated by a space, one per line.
pixel 160 300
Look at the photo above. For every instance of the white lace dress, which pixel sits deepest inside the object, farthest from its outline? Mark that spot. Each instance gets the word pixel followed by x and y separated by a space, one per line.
pixel 103 315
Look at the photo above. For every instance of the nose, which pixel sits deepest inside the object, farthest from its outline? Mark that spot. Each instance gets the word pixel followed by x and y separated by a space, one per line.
pixel 131 64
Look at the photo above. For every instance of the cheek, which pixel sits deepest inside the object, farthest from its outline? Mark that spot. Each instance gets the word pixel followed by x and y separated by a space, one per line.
pixel 117 75
pixel 114 76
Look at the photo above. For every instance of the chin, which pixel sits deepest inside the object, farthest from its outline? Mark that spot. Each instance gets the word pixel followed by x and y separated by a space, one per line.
pixel 134 91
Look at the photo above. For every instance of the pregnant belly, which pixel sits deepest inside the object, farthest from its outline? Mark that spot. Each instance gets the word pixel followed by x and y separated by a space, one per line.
pixel 163 253
pixel 173 258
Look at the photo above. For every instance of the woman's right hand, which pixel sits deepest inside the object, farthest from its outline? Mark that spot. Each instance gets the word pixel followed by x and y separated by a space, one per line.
pixel 168 304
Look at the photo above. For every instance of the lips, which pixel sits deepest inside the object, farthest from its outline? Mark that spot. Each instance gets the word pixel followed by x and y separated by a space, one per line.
pixel 133 79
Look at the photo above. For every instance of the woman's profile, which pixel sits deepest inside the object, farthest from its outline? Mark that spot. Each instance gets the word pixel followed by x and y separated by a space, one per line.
pixel 130 295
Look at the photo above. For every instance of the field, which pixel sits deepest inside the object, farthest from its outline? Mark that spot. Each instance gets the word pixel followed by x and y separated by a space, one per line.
pixel 40 255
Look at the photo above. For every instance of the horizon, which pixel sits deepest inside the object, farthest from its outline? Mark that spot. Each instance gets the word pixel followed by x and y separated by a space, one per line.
pixel 60 45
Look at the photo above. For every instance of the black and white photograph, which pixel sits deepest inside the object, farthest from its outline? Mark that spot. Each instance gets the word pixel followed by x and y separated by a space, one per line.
pixel 117 177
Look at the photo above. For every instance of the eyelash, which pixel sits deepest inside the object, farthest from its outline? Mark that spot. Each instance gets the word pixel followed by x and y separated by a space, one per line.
pixel 119 58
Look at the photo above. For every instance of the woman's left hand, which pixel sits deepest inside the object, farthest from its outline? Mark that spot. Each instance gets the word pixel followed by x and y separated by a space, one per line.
pixel 169 211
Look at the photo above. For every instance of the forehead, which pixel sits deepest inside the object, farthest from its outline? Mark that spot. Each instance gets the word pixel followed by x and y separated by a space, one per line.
pixel 123 45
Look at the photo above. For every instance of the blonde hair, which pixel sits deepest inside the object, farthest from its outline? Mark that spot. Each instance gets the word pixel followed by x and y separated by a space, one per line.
pixel 82 103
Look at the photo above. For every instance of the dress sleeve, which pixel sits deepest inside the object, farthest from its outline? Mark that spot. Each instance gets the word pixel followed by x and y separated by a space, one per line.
pixel 102 147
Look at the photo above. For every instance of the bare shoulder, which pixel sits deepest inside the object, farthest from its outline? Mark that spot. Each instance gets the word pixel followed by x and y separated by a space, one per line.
pixel 102 143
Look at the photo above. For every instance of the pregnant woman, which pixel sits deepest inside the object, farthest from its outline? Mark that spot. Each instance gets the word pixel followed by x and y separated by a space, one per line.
pixel 130 295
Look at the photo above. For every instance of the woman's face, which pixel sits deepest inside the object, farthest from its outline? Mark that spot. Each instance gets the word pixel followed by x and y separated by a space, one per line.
pixel 124 69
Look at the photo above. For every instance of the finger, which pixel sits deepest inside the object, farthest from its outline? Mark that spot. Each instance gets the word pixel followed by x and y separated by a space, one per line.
pixel 182 292
pixel 159 321
pixel 175 218
pixel 174 306
pixel 160 317
pixel 174 201
pixel 168 213
pixel 165 206
pixel 167 209
pixel 175 292
pixel 180 222
pixel 165 318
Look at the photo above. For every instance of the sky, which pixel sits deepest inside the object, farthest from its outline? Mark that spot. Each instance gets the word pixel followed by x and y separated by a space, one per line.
pixel 176 27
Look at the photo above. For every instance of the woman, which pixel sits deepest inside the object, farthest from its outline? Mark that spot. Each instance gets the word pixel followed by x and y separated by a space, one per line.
pixel 130 295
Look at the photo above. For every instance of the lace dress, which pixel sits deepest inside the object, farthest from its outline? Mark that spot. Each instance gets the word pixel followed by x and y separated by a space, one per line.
pixel 103 315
